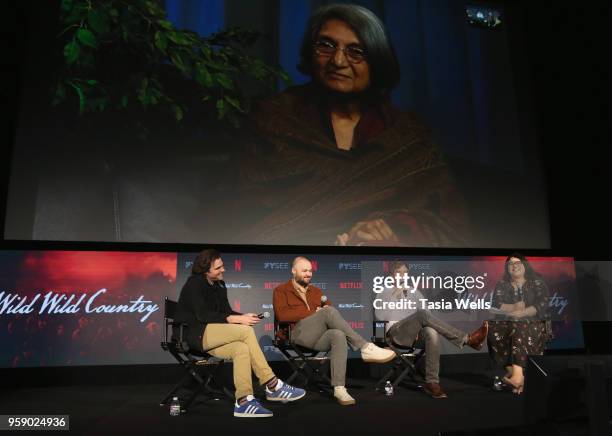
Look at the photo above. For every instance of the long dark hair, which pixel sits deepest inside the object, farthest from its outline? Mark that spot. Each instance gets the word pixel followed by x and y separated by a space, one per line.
pixel 381 58
pixel 202 263
pixel 530 274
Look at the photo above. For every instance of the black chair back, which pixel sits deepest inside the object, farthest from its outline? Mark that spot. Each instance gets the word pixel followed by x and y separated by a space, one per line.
pixel 379 333
pixel 169 308
pixel 196 364
pixel 282 334
pixel 169 312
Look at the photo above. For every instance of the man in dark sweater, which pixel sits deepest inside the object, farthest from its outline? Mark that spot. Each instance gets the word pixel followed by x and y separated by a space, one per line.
pixel 213 326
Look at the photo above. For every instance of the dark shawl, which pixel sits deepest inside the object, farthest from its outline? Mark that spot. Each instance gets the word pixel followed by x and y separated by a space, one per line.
pixel 299 188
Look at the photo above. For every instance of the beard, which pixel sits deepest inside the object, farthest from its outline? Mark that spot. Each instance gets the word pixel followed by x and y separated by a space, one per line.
pixel 302 282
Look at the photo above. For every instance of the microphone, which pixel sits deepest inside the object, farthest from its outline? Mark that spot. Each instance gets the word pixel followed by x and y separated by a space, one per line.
pixel 264 315
pixel 323 300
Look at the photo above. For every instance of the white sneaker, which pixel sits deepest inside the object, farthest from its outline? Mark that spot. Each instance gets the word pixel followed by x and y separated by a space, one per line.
pixel 343 396
pixel 372 353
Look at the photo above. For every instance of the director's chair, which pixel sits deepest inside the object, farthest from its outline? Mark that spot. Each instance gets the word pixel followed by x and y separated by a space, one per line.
pixel 199 366
pixel 406 359
pixel 311 366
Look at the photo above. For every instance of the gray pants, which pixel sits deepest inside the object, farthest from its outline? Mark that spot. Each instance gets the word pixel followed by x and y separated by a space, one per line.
pixel 428 329
pixel 326 330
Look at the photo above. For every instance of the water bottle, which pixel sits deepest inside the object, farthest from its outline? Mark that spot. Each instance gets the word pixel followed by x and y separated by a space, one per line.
pixel 388 388
pixel 175 407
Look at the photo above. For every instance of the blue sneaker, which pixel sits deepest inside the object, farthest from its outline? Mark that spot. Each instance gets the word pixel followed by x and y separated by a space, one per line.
pixel 284 393
pixel 251 409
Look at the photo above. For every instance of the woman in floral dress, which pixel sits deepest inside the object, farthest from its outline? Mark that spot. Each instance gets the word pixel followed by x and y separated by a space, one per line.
pixel 522 331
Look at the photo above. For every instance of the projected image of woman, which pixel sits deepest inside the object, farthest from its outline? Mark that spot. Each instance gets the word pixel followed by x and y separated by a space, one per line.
pixel 523 295
pixel 334 162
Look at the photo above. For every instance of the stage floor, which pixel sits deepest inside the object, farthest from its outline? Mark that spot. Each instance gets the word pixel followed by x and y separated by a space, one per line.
pixel 472 407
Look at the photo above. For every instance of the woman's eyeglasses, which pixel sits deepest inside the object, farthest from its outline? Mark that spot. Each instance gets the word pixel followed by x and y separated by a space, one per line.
pixel 353 54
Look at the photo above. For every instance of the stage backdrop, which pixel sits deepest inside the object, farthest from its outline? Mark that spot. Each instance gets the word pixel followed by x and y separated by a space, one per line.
pixel 62 308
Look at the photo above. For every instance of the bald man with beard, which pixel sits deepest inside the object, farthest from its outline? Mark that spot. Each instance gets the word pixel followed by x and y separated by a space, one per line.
pixel 320 326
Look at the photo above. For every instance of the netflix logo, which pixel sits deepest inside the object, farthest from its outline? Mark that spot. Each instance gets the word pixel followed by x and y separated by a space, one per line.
pixel 272 285
pixel 315 265
pixel 350 285
pixel 356 325
pixel 238 265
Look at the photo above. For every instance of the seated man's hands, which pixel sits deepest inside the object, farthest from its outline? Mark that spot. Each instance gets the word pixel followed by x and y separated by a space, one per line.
pixel 249 319
pixel 368 233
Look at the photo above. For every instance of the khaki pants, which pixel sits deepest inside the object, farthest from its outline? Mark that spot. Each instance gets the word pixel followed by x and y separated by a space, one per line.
pixel 238 343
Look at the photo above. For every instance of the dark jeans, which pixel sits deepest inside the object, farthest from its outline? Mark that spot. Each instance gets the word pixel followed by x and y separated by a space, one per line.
pixel 428 329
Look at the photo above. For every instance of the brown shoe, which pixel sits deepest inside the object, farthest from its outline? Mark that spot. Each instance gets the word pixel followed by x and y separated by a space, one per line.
pixel 434 390
pixel 477 338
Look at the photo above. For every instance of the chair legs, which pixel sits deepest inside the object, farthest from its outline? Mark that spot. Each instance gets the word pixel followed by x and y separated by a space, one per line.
pixel 204 378
pixel 404 366
pixel 176 387
pixel 308 370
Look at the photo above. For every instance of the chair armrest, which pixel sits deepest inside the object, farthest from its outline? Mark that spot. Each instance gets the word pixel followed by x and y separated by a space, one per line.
pixel 181 343
pixel 282 330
